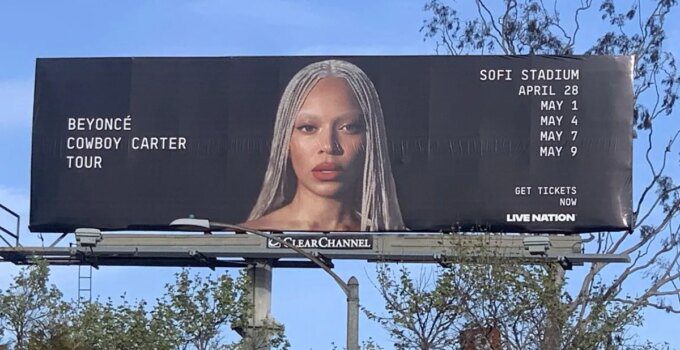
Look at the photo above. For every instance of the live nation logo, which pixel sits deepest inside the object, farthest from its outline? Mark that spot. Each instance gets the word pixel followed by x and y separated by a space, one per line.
pixel 550 217
pixel 314 241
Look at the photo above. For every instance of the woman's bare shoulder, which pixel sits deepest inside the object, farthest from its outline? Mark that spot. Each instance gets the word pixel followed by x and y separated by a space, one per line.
pixel 258 224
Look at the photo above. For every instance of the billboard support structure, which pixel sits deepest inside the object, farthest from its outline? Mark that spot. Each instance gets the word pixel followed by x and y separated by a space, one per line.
pixel 231 250
pixel 96 248
pixel 260 274
pixel 212 250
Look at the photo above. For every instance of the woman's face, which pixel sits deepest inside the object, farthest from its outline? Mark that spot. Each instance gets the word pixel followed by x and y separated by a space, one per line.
pixel 327 143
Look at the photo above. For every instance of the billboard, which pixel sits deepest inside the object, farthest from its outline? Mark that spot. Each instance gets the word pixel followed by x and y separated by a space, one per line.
pixel 361 143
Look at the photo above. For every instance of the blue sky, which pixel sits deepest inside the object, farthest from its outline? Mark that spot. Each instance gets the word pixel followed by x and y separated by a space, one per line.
pixel 307 301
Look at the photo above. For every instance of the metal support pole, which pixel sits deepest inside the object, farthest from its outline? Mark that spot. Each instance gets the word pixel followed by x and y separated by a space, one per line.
pixel 258 331
pixel 352 299
pixel 353 314
pixel 260 275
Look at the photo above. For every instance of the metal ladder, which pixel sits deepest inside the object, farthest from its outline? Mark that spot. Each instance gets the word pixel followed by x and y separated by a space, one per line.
pixel 84 283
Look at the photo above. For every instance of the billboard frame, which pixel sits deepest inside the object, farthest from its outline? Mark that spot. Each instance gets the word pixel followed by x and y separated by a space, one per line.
pixel 214 250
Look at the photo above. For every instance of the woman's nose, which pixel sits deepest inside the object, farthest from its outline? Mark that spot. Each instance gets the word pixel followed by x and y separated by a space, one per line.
pixel 330 143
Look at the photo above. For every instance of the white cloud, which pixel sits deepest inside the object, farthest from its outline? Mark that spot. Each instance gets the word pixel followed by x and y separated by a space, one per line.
pixel 16 103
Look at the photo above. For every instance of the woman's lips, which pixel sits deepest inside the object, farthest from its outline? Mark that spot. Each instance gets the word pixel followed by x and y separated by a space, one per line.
pixel 326 171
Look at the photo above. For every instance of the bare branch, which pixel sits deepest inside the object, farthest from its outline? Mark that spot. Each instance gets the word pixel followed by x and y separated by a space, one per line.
pixel 499 35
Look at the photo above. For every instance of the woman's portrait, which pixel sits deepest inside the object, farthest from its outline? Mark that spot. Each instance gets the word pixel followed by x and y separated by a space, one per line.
pixel 329 168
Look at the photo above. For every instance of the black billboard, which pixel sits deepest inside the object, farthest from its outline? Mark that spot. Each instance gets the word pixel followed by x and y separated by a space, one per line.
pixel 361 143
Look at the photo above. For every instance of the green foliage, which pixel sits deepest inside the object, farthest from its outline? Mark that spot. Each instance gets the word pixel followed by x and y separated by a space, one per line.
pixel 195 309
pixel 32 309
pixel 418 315
pixel 98 325
pixel 432 309
pixel 193 313
pixel 368 344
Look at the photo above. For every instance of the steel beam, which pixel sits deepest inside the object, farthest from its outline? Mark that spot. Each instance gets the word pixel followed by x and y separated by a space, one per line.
pixel 230 250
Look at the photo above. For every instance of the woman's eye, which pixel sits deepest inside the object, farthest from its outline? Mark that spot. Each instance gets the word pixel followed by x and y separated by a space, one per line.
pixel 352 128
pixel 307 129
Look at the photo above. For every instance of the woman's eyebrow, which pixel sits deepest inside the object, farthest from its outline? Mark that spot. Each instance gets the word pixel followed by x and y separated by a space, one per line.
pixel 306 115
pixel 350 115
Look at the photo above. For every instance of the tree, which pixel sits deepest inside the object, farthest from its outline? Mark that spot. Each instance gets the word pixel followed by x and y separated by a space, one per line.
pixel 417 317
pixel 434 309
pixel 193 313
pixel 30 307
pixel 195 310
pixel 522 302
pixel 104 325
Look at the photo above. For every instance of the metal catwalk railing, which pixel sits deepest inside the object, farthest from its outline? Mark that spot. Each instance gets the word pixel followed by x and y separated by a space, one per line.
pixel 6 233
